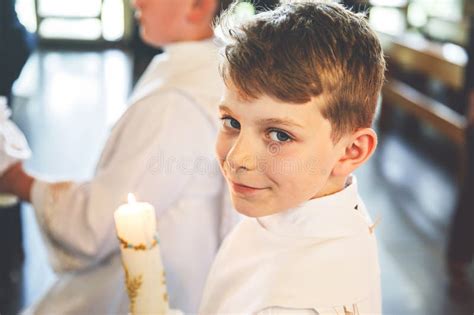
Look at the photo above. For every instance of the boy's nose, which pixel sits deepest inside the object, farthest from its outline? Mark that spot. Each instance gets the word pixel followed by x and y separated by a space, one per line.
pixel 241 156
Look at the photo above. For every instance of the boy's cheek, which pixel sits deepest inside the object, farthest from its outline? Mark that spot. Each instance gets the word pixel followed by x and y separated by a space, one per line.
pixel 222 147
pixel 294 190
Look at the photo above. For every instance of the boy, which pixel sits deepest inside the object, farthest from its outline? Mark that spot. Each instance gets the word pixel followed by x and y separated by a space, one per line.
pixel 302 86
pixel 161 150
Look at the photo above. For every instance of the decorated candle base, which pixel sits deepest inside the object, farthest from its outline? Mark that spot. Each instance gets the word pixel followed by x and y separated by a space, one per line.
pixel 145 296
pixel 145 280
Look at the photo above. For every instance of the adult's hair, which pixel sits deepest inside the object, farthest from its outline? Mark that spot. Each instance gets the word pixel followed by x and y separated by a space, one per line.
pixel 260 5
pixel 222 6
pixel 304 51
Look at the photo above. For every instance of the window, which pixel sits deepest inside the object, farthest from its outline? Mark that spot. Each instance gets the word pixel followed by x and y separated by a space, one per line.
pixel 87 20
pixel 442 20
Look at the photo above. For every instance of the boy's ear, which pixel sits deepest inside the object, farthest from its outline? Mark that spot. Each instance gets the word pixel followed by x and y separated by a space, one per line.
pixel 201 10
pixel 357 150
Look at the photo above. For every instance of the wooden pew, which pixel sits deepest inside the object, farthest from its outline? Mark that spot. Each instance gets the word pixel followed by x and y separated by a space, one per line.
pixel 444 63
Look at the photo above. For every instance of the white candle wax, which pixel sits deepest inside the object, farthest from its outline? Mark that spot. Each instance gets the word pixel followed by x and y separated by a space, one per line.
pixel 135 222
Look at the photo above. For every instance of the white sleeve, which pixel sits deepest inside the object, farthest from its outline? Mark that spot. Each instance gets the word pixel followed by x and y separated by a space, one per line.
pixel 339 310
pixel 77 218
pixel 286 311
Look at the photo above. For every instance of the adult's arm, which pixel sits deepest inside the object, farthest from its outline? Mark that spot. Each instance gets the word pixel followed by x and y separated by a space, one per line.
pixel 147 156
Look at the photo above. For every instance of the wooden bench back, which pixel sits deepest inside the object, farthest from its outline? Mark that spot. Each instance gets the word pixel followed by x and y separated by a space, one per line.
pixel 440 62
pixel 445 63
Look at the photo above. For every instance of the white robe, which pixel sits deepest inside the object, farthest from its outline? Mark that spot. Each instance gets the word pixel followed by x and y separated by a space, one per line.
pixel 318 258
pixel 162 150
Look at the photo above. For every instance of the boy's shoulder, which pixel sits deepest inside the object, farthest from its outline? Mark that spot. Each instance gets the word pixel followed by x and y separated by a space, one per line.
pixel 301 273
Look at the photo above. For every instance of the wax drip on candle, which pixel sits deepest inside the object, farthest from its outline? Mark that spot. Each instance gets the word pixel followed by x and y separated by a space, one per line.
pixel 149 239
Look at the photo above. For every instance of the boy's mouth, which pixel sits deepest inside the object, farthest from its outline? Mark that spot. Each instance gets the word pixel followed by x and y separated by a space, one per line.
pixel 242 189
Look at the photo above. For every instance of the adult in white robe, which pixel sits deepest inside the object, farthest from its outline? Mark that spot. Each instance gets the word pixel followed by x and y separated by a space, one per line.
pixel 318 258
pixel 162 150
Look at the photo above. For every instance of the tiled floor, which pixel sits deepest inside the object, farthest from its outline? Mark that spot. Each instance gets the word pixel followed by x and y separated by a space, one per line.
pixel 68 101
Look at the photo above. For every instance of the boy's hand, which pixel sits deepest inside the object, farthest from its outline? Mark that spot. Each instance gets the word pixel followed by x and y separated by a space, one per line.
pixel 15 181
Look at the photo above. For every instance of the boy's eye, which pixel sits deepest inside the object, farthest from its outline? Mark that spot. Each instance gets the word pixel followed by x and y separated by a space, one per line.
pixel 279 136
pixel 230 122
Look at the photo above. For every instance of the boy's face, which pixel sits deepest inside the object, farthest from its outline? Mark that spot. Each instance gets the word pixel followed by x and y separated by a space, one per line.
pixel 161 20
pixel 274 155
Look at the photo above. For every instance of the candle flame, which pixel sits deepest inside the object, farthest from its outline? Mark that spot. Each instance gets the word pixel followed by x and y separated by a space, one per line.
pixel 131 198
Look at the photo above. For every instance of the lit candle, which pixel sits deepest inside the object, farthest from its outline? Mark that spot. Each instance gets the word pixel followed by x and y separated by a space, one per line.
pixel 135 223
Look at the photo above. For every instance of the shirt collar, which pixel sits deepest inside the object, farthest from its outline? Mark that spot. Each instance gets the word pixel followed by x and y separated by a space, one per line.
pixel 183 57
pixel 337 215
pixel 183 49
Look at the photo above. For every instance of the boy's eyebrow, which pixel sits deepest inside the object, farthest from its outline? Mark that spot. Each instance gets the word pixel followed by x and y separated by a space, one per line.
pixel 225 108
pixel 278 121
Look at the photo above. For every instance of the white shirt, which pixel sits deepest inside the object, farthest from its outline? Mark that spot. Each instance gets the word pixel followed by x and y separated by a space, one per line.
pixel 162 149
pixel 318 258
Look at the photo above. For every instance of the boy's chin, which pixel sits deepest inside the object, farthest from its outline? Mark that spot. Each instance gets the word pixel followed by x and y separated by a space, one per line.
pixel 251 209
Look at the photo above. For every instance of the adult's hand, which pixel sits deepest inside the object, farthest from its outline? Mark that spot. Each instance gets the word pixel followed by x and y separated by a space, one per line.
pixel 17 182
